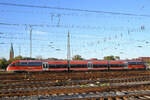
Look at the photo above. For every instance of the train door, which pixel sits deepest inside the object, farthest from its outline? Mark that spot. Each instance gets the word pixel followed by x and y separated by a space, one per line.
pixel 90 65
pixel 146 66
pixel 45 65
pixel 126 65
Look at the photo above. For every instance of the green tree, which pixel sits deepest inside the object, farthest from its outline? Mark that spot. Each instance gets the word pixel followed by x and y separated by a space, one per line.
pixel 53 59
pixel 18 58
pixel 77 57
pixel 109 58
pixel 3 63
pixel 117 58
pixel 28 58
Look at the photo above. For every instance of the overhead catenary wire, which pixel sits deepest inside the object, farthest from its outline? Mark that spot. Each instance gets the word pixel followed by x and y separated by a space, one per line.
pixel 74 26
pixel 4 37
pixel 48 25
pixel 73 9
pixel 54 14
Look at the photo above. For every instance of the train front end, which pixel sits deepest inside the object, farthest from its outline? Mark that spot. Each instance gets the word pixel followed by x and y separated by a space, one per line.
pixel 11 66
pixel 25 66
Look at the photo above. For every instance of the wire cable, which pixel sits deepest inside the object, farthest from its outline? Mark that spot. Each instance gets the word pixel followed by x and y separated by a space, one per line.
pixel 72 9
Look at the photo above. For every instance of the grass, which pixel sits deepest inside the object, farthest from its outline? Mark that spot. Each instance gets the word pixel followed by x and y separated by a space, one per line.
pixel 4 71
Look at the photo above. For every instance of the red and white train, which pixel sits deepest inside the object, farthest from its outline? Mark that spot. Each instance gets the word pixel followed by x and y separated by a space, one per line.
pixel 84 65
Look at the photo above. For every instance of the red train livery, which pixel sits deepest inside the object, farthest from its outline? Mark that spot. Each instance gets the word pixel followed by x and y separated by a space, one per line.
pixel 84 65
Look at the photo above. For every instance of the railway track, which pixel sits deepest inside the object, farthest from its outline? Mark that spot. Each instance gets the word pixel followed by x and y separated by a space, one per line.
pixel 72 76
pixel 82 83
pixel 90 92
pixel 95 86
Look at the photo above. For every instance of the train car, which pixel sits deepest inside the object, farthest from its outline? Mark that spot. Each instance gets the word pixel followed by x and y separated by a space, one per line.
pixel 83 65
pixel 26 66
pixel 137 65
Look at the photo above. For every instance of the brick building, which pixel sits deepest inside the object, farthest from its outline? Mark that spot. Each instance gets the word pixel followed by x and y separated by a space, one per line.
pixel 11 55
pixel 145 59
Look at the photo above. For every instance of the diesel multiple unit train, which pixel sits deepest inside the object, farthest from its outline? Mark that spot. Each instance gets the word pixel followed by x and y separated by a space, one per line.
pixel 83 65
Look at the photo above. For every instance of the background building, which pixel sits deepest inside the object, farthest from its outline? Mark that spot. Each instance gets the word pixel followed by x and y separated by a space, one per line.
pixel 145 59
pixel 11 56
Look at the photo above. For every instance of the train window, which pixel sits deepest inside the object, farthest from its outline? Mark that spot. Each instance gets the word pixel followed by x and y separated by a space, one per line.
pixel 66 65
pixel 34 64
pixel 23 63
pixel 28 64
pixel 132 63
pixel 37 63
pixel 75 65
pixel 52 66
pixel 99 65
pixel 117 65
pixel 61 66
pixel 58 66
pixel 12 65
pixel 78 65
pixel 16 64
pixel 135 63
pixel 84 65
pixel 140 63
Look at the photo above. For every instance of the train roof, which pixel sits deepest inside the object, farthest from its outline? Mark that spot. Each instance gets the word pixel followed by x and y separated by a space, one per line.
pixel 80 61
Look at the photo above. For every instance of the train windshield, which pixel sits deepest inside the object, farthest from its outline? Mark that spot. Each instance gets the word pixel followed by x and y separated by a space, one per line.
pixel 135 63
pixel 11 65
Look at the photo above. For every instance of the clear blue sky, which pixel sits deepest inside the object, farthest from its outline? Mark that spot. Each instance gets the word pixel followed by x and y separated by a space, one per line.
pixel 93 35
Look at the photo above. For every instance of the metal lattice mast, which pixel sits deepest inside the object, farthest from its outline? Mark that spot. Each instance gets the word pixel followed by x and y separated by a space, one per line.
pixel 68 51
pixel 30 42
pixel 19 50
pixel 68 47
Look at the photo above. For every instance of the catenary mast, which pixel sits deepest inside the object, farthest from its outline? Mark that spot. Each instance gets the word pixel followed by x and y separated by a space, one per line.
pixel 68 51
